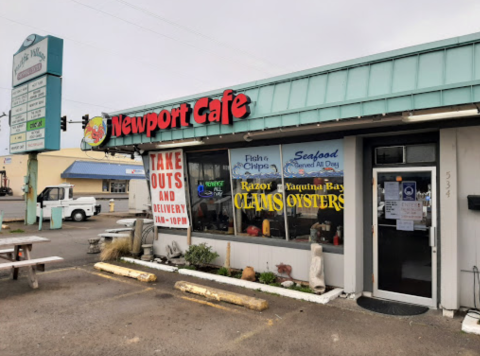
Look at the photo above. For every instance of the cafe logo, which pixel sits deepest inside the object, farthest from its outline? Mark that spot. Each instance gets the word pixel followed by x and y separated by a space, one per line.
pixel 96 132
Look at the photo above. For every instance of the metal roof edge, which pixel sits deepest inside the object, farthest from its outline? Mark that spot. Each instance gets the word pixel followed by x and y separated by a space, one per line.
pixel 109 163
pixel 401 52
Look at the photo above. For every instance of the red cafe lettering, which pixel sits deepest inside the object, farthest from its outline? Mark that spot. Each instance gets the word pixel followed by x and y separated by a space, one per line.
pixel 165 162
pixel 205 111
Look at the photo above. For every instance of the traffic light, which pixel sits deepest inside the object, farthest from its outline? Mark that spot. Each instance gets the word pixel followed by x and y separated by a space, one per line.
pixel 84 121
pixel 63 123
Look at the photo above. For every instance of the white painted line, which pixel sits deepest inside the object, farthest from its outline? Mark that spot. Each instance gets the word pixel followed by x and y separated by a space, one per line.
pixel 309 297
pixel 151 264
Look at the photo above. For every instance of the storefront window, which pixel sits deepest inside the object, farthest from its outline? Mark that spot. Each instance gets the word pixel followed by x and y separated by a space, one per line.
pixel 210 192
pixel 118 186
pixel 303 182
pixel 313 175
pixel 258 192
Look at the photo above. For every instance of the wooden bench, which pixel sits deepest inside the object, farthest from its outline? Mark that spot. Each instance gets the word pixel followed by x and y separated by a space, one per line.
pixel 38 263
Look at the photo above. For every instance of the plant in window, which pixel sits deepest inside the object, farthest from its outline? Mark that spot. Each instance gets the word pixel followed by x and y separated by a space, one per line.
pixel 200 254
pixel 267 277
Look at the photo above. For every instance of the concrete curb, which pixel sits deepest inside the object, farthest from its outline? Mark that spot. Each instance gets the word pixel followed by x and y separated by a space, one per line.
pixel 150 264
pixel 126 272
pixel 314 298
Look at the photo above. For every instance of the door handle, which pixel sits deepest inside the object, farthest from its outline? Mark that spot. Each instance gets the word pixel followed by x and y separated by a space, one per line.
pixel 433 236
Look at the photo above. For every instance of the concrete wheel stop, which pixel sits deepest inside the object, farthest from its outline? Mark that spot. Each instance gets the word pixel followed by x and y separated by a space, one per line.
pixel 222 295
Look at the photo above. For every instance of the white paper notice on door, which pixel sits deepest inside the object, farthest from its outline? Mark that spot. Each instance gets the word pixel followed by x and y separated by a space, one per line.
pixel 411 210
pixel 405 225
pixel 392 209
pixel 392 191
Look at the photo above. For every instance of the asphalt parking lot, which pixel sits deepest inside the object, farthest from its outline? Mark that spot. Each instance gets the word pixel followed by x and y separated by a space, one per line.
pixel 78 310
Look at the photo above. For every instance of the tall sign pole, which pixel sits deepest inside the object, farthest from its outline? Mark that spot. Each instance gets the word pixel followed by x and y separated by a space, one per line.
pixel 36 107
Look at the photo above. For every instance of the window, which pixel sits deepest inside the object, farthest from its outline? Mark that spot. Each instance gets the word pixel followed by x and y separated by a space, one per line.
pixel 210 192
pixel 390 155
pixel 55 194
pixel 313 175
pixel 258 192
pixel 70 192
pixel 395 155
pixel 290 192
pixel 312 198
pixel 118 186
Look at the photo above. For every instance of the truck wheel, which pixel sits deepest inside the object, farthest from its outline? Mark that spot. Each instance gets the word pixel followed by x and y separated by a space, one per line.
pixel 78 215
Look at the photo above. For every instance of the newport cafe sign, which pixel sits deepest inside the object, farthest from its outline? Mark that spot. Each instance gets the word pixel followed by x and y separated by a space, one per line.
pixel 205 111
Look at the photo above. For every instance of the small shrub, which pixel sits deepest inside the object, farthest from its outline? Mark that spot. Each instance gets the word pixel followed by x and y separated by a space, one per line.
pixel 200 254
pixel 238 275
pixel 17 231
pixel 223 271
pixel 115 249
pixel 267 277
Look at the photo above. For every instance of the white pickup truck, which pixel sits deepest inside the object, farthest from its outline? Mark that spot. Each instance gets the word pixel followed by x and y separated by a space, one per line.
pixel 62 196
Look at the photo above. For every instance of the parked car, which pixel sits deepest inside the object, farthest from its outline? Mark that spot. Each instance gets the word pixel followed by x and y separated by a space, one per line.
pixel 62 196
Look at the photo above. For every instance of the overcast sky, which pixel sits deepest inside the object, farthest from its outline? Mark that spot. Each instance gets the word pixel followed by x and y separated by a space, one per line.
pixel 124 53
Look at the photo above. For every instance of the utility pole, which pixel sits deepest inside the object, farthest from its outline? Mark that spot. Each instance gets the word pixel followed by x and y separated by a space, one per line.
pixel 31 186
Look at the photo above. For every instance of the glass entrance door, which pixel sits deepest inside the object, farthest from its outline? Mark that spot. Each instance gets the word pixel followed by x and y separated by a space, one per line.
pixel 404 217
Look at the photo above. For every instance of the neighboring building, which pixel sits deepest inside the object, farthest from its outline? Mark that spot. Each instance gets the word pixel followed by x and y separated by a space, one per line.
pixel 90 172
pixel 381 151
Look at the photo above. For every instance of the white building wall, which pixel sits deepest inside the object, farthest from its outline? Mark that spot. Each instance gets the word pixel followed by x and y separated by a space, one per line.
pixel 468 177
pixel 353 214
pixel 262 258
pixel 449 271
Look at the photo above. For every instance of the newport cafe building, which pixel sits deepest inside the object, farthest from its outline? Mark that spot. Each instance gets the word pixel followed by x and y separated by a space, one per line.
pixel 377 159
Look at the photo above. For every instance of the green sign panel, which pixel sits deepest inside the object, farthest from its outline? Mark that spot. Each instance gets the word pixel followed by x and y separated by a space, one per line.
pixel 36 124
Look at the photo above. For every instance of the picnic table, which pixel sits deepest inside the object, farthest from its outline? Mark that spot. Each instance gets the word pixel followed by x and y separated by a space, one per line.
pixel 20 256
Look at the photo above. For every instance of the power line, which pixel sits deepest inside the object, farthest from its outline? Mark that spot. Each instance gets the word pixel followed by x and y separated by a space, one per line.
pixel 117 54
pixel 166 36
pixel 186 28
pixel 82 102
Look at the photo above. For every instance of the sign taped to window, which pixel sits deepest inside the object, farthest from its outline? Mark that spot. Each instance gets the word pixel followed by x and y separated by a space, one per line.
pixel 411 210
pixel 405 225
pixel 392 209
pixel 409 191
pixel 392 191
pixel 167 187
